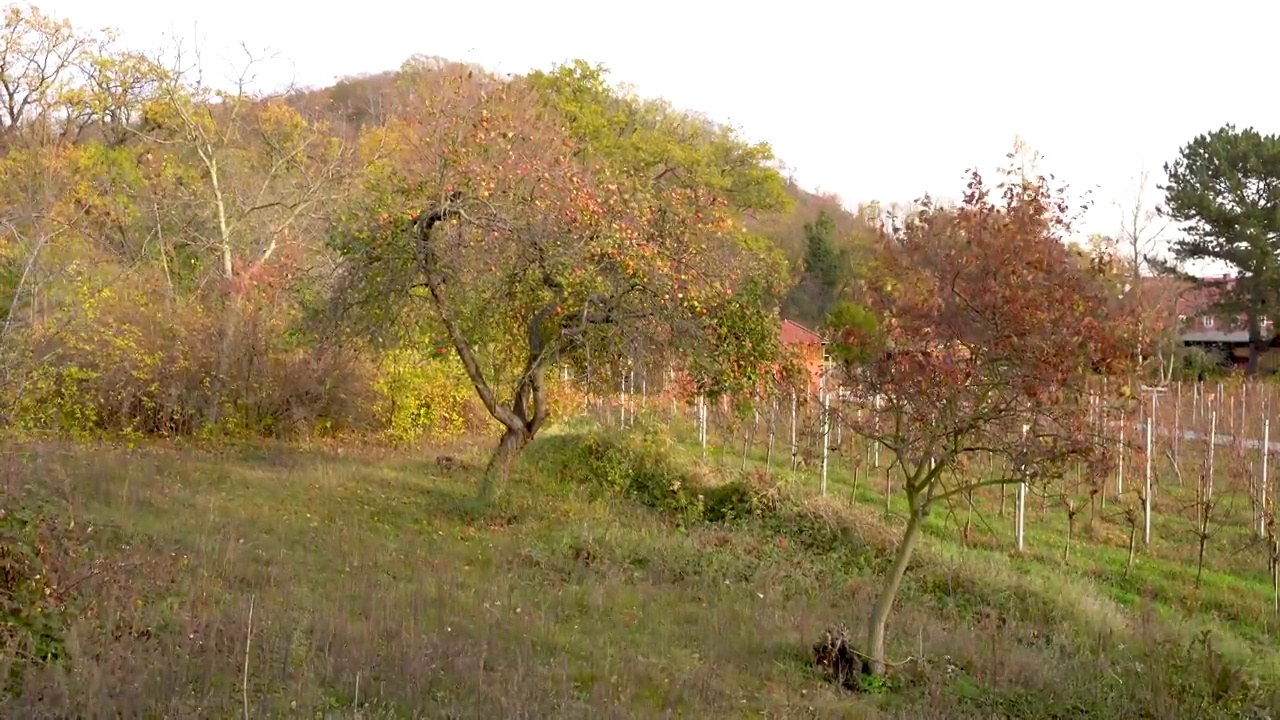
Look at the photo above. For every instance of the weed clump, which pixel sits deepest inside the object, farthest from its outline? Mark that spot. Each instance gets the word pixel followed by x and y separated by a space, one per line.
pixel 749 496
pixel 33 610
pixel 638 469
pixel 646 470
pixel 837 660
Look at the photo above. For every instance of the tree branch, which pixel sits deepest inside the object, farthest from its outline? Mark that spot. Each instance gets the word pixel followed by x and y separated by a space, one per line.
pixel 429 265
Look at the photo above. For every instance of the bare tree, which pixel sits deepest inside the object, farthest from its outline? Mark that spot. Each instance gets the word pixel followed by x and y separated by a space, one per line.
pixel 266 176
pixel 1137 248
pixel 1141 226
pixel 38 54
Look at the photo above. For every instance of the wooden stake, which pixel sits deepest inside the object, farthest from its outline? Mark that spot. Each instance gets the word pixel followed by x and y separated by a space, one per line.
pixel 1146 500
pixel 1020 510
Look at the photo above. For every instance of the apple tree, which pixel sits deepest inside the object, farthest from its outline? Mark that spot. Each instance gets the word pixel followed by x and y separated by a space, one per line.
pixel 647 146
pixel 478 215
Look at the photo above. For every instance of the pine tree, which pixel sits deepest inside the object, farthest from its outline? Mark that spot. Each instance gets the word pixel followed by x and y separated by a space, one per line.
pixel 1225 187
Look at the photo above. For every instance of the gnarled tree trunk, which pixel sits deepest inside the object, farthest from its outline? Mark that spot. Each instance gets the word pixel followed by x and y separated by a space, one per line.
pixel 528 410
pixel 509 447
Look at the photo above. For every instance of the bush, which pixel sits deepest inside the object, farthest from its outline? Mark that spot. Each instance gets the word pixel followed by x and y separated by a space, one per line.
pixel 114 359
pixel 564 401
pixel 420 396
pixel 33 614
pixel 752 495
pixel 642 466
pixel 1203 364
pixel 641 470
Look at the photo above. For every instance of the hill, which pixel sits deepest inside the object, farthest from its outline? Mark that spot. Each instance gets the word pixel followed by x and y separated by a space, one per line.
pixel 360 100
pixel 251 253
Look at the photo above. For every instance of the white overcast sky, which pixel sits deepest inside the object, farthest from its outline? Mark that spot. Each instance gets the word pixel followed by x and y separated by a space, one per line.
pixel 869 100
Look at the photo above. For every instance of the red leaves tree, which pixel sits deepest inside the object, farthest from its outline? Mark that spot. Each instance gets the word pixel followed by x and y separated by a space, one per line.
pixel 987 323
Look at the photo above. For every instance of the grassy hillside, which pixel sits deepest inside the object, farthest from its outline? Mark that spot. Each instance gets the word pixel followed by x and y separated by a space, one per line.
pixel 616 578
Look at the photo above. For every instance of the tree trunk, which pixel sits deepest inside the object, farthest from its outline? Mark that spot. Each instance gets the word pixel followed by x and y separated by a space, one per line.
pixel 1204 540
pixel 1133 544
pixel 1256 343
pixel 1071 530
pixel 968 520
pixel 226 344
pixel 528 410
pixel 768 456
pixel 495 475
pixel 884 604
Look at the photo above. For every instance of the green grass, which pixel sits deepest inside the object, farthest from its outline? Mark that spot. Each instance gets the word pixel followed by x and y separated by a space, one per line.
pixel 378 588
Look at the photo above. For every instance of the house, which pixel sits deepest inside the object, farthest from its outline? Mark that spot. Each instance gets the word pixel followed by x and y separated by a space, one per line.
pixel 1234 346
pixel 1199 326
pixel 794 337
pixel 810 347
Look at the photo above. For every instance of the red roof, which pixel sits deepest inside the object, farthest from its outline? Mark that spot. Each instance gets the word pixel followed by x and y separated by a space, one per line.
pixel 1185 297
pixel 792 333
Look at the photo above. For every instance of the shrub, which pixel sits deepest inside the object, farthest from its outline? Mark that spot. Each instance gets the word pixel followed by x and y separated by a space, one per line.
pixel 641 470
pixel 1203 364
pixel 564 400
pixel 641 465
pixel 420 396
pixel 114 359
pixel 110 360
pixel 748 496
pixel 33 616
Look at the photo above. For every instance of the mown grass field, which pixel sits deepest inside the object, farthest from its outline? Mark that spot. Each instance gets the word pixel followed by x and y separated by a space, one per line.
pixel 613 578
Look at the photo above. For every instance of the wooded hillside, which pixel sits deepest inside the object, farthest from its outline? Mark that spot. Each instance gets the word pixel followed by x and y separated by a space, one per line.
pixel 179 258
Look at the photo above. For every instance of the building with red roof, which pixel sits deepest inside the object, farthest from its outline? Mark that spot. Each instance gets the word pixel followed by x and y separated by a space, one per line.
pixel 808 345
pixel 1200 324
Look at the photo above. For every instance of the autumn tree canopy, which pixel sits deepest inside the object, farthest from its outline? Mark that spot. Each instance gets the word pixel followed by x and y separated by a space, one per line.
pixel 647 146
pixel 986 327
pixel 209 225
pixel 479 212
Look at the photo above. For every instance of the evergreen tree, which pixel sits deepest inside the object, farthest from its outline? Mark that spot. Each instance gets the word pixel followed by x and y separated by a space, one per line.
pixel 1225 187
pixel 821 260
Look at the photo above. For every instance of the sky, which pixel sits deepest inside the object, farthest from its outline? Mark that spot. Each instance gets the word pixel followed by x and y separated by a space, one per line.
pixel 867 100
